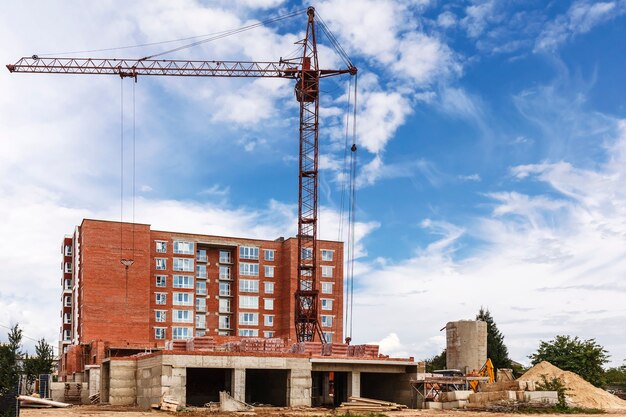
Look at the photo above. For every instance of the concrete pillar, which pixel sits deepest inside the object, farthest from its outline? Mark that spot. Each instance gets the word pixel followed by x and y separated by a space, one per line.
pixel 239 384
pixel 354 384
pixel 300 386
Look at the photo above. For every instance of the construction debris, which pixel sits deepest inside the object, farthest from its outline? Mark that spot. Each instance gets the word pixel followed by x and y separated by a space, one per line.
pixel 95 398
pixel 369 405
pixel 579 392
pixel 26 399
pixel 228 403
pixel 167 404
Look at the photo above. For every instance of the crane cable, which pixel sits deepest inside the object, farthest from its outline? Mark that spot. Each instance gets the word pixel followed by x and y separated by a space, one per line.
pixel 209 37
pixel 352 208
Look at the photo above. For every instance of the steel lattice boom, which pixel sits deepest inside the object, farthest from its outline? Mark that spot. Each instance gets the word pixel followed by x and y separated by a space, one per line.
pixel 307 75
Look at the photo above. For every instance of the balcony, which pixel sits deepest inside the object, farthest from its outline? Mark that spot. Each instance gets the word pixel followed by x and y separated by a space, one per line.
pixel 226 277
pixel 201 257
pixel 201 308
pixel 225 293
pixel 200 324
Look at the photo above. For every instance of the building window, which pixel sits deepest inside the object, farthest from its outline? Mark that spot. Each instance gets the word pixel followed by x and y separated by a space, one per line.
pixel 249 269
pixel 200 288
pixel 201 255
pixel 248 301
pixel 249 332
pixel 327 321
pixel 224 322
pixel 307 253
pixel 327 255
pixel 306 285
pixel 225 272
pixel 161 264
pixel 200 321
pixel 268 304
pixel 68 267
pixel 268 335
pixel 248 252
pixel 200 304
pixel 224 305
pixel 249 319
pixel 200 333
pixel 327 287
pixel 269 288
pixel 68 250
pixel 159 333
pixel 182 281
pixel 160 316
pixel 248 285
pixel 161 298
pixel 269 271
pixel 179 333
pixel 327 304
pixel 225 257
pixel 67 318
pixel 183 264
pixel 201 271
pixel 161 246
pixel 181 316
pixel 328 337
pixel 66 336
pixel 327 271
pixel 268 320
pixel 67 284
pixel 182 299
pixel 269 254
pixel 161 281
pixel 183 248
pixel 67 302
pixel 224 289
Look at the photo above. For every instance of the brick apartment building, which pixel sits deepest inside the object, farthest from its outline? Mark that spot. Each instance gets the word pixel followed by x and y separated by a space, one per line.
pixel 181 285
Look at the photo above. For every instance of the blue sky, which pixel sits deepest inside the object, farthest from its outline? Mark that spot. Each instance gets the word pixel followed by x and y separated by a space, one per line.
pixel 492 143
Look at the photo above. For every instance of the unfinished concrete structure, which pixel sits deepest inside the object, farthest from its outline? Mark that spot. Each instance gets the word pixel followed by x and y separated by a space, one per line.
pixel 308 374
pixel 466 345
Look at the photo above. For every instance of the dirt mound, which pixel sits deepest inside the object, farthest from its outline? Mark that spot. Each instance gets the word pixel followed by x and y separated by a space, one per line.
pixel 580 393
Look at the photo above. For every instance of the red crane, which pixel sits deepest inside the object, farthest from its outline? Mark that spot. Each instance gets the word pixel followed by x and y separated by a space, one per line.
pixel 306 72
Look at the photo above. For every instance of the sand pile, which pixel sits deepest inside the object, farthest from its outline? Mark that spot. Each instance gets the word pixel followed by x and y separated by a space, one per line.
pixel 580 393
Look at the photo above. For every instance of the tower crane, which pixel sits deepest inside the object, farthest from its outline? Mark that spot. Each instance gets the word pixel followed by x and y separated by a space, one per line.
pixel 306 72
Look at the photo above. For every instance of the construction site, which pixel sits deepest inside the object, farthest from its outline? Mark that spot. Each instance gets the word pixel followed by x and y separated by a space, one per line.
pixel 158 322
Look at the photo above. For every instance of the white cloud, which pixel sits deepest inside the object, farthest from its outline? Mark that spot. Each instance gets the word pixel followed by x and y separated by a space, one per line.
pixel 446 19
pixel 580 18
pixel 471 177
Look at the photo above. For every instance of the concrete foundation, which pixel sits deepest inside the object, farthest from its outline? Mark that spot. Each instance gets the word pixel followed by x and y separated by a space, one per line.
pixel 280 380
pixel 466 345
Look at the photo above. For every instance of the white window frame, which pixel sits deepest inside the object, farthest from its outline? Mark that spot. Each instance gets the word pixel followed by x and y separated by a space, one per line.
pixel 327 304
pixel 225 272
pixel 224 293
pixel 67 267
pixel 268 335
pixel 268 304
pixel 201 285
pixel 178 299
pixel 184 264
pixel 249 285
pixel 68 250
pixel 182 316
pixel 159 333
pixel 249 319
pixel 224 322
pixel 327 255
pixel 199 268
pixel 160 298
pixel 160 264
pixel 225 257
pixel 162 284
pixel 327 287
pixel 162 243
pixel 268 287
pixel 201 321
pixel 327 271
pixel 249 302
pixel 224 305
pixel 269 254
pixel 268 320
pixel 268 271
pixel 249 252
pixel 248 269
pixel 200 304
pixel 160 316
pixel 184 247
pixel 326 320
pixel 249 332
pixel 328 336
pixel 177 333
pixel 182 281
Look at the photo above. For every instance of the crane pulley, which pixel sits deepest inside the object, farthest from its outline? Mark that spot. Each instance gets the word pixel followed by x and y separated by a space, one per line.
pixel 307 74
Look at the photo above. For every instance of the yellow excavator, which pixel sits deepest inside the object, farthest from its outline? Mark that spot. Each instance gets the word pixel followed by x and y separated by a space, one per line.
pixel 487 370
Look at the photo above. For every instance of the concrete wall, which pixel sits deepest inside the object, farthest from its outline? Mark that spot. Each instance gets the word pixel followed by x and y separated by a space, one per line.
pixel 466 345
pixel 122 382
pixel 149 381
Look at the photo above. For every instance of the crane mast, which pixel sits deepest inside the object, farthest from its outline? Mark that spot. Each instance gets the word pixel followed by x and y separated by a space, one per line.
pixel 307 74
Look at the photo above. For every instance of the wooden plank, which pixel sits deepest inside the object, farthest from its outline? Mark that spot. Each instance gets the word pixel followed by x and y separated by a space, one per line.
pixel 43 401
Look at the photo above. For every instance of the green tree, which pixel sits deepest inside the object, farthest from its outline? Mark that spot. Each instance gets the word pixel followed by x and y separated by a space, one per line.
pixel 10 364
pixel 583 357
pixel 496 349
pixel 41 363
pixel 616 377
pixel 436 362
